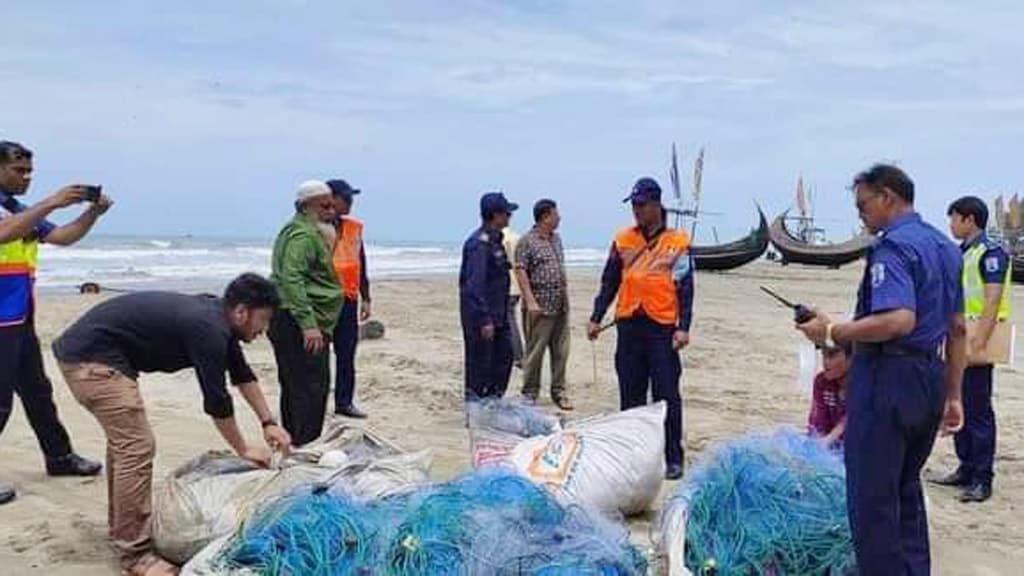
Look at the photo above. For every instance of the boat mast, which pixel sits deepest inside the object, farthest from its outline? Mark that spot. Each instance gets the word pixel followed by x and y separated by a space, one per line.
pixel 673 175
pixel 698 177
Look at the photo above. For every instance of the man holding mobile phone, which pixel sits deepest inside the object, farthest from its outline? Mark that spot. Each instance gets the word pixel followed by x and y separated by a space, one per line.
pixel 22 228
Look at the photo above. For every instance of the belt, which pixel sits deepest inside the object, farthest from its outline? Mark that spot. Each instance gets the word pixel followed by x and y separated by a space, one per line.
pixel 894 349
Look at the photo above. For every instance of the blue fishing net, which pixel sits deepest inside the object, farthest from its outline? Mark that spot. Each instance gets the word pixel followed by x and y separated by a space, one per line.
pixel 485 523
pixel 772 504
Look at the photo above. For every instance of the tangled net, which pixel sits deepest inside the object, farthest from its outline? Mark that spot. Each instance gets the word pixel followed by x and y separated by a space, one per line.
pixel 486 523
pixel 767 504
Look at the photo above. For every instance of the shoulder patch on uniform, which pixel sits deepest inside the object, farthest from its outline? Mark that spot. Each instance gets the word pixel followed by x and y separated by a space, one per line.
pixel 992 264
pixel 877 274
pixel 485 237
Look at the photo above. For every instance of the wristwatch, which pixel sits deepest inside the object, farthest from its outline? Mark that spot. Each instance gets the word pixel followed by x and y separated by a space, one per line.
pixel 268 422
pixel 829 342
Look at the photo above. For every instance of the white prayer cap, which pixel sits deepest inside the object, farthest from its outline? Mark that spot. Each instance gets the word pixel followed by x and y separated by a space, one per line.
pixel 311 189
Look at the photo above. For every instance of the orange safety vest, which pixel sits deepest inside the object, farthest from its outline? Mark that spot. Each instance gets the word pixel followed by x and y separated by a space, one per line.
pixel 647 283
pixel 347 265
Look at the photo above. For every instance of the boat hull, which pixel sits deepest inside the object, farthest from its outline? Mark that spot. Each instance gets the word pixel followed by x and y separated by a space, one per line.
pixel 733 254
pixel 795 251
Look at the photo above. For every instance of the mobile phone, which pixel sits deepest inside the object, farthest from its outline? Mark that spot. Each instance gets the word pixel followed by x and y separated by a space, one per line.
pixel 93 193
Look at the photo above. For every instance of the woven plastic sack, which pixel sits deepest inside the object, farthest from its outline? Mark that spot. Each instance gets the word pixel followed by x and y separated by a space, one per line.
pixel 211 495
pixel 613 464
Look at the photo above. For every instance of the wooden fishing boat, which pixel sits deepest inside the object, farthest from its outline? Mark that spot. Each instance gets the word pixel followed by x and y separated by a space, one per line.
pixel 733 254
pixel 793 250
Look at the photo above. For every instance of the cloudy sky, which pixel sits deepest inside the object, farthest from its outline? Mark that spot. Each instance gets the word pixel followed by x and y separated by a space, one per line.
pixel 202 117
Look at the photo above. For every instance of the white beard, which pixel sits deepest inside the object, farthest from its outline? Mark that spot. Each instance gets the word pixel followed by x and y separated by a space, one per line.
pixel 329 234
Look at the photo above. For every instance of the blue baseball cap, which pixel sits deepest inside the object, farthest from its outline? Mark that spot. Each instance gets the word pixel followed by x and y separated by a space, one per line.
pixel 494 202
pixel 645 190
pixel 342 189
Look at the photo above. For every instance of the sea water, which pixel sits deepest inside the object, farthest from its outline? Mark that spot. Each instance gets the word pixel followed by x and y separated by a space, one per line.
pixel 192 263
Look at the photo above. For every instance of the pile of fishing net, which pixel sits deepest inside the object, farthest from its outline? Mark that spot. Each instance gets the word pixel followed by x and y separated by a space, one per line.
pixel 209 496
pixel 485 523
pixel 770 503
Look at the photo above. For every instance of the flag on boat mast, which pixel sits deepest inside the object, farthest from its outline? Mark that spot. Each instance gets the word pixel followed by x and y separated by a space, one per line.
pixel 801 197
pixel 674 175
pixel 698 175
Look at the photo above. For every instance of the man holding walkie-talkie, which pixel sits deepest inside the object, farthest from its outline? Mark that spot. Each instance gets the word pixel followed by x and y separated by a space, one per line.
pixel 22 228
pixel 909 355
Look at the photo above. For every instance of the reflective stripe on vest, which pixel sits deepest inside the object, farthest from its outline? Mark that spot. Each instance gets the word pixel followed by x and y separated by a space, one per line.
pixel 347 265
pixel 18 260
pixel 647 281
pixel 974 285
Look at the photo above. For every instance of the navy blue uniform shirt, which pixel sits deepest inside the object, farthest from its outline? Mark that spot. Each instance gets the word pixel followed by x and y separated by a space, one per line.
pixel 484 279
pixel 914 267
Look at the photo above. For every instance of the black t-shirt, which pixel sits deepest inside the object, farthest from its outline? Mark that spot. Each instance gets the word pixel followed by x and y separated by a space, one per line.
pixel 161 332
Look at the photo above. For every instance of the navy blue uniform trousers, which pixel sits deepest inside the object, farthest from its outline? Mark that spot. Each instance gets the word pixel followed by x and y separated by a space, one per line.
pixel 645 362
pixel 488 362
pixel 894 408
pixel 345 339
pixel 976 442
pixel 21 372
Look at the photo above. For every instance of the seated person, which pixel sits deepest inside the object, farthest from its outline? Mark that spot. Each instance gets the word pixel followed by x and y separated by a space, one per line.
pixel 827 419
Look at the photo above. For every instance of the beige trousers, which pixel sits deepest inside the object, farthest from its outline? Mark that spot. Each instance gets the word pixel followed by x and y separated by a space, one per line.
pixel 114 400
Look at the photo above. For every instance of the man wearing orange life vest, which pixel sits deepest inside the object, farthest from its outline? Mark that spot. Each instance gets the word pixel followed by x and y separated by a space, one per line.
pixel 350 267
pixel 21 361
pixel 649 267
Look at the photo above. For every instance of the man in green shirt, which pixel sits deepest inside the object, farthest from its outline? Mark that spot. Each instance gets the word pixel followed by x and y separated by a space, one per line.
pixel 311 300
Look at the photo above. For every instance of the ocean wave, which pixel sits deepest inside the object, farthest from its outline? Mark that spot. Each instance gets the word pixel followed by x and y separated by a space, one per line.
pixel 59 253
pixel 381 251
pixel 172 264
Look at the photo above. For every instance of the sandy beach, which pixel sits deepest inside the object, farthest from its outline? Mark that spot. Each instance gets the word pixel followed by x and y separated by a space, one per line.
pixel 741 374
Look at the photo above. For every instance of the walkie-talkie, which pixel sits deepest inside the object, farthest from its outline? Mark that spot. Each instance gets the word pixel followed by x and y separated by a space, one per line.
pixel 801 313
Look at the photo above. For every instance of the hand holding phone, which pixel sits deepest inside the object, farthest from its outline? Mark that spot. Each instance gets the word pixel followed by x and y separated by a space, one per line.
pixel 92 193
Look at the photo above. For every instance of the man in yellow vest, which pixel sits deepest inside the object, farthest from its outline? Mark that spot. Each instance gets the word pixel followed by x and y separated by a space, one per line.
pixel 21 362
pixel 350 267
pixel 649 267
pixel 986 283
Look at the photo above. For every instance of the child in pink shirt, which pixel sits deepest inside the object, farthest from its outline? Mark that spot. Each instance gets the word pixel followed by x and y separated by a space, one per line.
pixel 828 399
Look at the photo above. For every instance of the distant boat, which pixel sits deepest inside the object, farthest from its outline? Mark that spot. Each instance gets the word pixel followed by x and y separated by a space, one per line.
pixel 794 250
pixel 733 254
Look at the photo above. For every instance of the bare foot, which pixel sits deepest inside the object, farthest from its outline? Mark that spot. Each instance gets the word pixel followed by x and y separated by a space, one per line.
pixel 162 568
pixel 151 565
